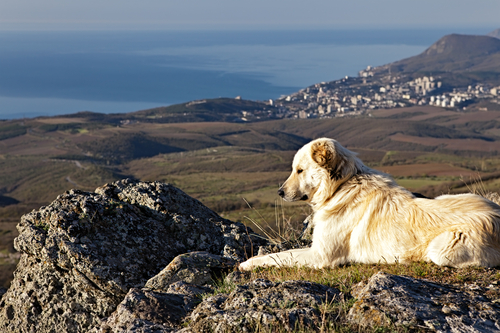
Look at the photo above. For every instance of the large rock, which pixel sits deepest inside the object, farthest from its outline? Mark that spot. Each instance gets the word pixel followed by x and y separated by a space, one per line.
pixel 85 251
pixel 403 301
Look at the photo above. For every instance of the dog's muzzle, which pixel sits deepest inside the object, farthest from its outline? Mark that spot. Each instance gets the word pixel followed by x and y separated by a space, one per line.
pixel 281 193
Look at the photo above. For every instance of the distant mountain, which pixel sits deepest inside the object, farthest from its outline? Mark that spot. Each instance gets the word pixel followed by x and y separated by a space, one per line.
pixel 454 53
pixel 495 33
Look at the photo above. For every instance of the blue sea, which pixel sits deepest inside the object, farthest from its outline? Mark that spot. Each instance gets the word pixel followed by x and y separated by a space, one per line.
pixel 48 73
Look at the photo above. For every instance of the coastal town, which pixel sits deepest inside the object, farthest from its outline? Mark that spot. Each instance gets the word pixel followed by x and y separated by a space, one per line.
pixel 370 90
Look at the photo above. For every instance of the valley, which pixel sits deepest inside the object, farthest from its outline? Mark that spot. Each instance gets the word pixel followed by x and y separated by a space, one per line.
pixel 236 168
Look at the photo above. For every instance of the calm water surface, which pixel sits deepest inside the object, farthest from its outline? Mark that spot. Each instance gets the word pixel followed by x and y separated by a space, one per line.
pixel 50 73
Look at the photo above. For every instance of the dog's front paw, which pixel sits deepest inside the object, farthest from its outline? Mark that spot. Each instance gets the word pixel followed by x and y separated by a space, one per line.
pixel 258 261
pixel 246 265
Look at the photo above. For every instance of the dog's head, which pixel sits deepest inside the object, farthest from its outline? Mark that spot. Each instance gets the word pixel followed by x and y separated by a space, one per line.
pixel 318 169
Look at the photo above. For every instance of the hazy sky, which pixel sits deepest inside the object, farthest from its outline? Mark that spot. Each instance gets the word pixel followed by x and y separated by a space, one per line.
pixel 238 14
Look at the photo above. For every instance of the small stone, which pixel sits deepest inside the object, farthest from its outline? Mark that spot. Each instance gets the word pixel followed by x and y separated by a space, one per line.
pixel 262 251
pixel 237 277
pixel 446 310
pixel 195 268
pixel 430 324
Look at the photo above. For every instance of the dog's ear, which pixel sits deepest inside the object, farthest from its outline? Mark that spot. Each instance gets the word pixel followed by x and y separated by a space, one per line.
pixel 323 154
pixel 326 154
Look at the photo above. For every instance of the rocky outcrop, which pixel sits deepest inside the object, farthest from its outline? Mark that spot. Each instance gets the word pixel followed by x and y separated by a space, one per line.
pixel 83 253
pixel 403 301
pixel 142 257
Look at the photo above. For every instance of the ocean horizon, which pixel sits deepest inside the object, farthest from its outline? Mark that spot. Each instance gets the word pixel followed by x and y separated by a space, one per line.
pixel 49 73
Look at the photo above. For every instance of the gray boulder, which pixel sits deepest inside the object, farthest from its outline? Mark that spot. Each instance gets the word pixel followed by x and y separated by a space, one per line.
pixel 388 300
pixel 83 253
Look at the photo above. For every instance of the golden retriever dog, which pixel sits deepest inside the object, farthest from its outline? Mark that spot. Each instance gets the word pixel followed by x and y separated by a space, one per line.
pixel 362 216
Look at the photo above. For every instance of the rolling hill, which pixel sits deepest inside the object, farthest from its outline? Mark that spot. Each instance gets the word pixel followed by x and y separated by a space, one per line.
pixel 206 110
pixel 217 109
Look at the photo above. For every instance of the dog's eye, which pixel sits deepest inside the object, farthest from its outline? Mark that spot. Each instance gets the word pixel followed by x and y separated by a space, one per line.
pixel 299 170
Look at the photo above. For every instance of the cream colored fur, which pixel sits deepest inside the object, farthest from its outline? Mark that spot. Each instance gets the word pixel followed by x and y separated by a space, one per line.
pixel 361 215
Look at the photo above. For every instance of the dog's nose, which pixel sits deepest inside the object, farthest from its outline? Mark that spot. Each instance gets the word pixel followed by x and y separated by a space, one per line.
pixel 281 193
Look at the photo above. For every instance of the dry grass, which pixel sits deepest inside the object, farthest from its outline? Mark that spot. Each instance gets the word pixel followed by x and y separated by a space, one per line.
pixel 345 277
pixel 283 228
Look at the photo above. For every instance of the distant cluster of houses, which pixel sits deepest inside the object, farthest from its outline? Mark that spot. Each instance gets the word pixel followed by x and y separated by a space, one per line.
pixel 356 95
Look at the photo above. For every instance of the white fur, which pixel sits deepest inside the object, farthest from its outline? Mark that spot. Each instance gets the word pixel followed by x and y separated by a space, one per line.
pixel 361 215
